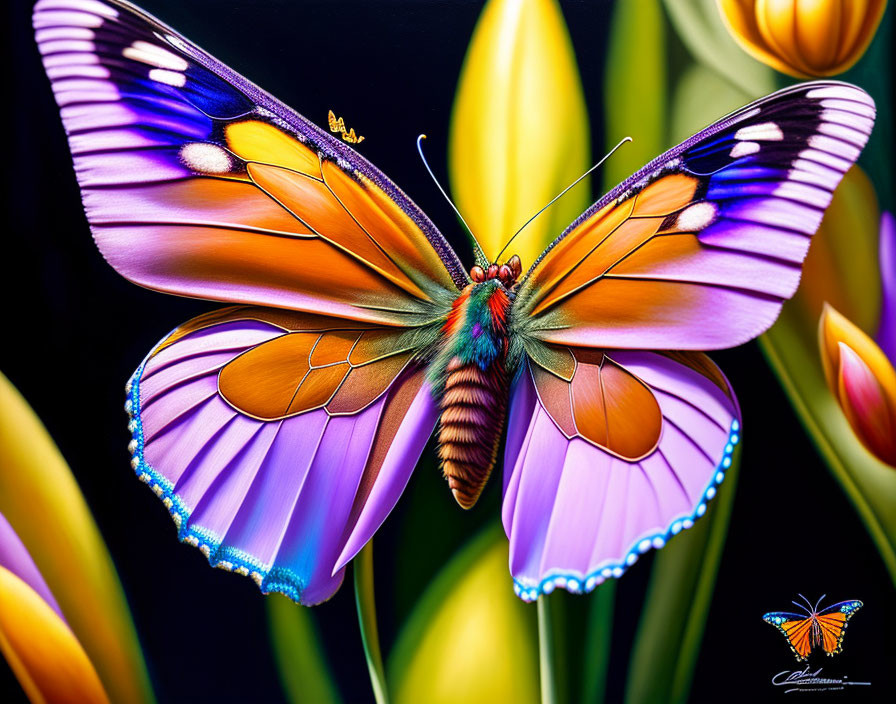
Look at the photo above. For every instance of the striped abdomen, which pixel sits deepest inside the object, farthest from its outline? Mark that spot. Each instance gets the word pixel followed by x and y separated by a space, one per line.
pixel 474 405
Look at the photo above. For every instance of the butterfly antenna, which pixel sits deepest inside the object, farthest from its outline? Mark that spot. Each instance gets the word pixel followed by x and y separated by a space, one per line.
pixel 808 603
pixel 818 602
pixel 479 252
pixel 800 606
pixel 561 194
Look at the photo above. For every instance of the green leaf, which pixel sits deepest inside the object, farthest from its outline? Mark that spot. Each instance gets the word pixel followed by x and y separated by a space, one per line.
pixel 468 639
pixel 700 27
pixel 298 652
pixel 673 619
pixel 635 87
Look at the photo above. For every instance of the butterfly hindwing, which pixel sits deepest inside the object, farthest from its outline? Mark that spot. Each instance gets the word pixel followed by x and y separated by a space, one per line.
pixel 700 248
pixel 795 628
pixel 609 454
pixel 280 472
pixel 197 182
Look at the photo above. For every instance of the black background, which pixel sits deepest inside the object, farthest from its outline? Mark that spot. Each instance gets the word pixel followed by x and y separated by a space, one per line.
pixel 73 331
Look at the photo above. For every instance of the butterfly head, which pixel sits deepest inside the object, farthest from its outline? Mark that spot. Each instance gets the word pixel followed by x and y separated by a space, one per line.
pixel 506 273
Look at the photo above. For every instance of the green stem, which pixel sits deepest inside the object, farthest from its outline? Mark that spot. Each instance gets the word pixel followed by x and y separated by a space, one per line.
pixel 366 603
pixel 598 638
pixel 546 653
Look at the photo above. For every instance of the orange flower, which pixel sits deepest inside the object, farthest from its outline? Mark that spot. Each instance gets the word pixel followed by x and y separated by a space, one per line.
pixel 804 38
pixel 862 380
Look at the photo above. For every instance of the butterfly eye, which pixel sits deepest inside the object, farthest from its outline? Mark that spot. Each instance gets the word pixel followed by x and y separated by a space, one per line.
pixel 516 266
pixel 492 271
pixel 505 274
pixel 477 273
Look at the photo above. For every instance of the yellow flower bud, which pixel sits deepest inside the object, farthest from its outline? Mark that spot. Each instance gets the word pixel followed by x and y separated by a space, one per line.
pixel 804 38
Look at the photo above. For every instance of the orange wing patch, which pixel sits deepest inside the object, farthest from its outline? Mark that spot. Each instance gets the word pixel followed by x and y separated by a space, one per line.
pixel 302 371
pixel 799 634
pixel 609 238
pixel 832 627
pixel 603 404
pixel 267 220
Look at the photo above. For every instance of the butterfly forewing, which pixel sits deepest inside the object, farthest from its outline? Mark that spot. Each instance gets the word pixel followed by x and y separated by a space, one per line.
pixel 699 249
pixel 196 182
pixel 278 437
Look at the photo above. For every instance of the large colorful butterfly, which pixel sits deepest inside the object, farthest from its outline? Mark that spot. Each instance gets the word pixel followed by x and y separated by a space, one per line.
pixel 281 432
pixel 823 629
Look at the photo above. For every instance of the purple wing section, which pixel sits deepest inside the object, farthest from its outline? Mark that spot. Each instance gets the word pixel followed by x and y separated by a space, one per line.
pixel 699 249
pixel 287 502
pixel 149 117
pixel 15 557
pixel 577 515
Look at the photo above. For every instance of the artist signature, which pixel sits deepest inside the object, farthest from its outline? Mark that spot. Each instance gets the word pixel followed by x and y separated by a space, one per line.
pixel 808 681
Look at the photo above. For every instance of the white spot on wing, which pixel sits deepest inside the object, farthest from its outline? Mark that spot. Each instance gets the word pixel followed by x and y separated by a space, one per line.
pixel 695 218
pixel 826 158
pixel 206 158
pixel 835 92
pixel 857 122
pixel 833 146
pixel 743 149
pixel 50 33
pixel 767 132
pixel 804 193
pixel 153 55
pixel 847 134
pixel 171 78
pixel 866 109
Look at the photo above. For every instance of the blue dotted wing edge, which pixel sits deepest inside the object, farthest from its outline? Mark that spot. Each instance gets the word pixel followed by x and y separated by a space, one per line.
pixel 268 578
pixel 580 584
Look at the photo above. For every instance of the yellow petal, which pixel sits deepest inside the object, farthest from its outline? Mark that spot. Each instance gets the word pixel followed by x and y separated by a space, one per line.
pixel 739 17
pixel 834 329
pixel 519 131
pixel 804 38
pixel 777 24
pixel 469 639
pixel 41 500
pixel 860 23
pixel 41 649
pixel 817 30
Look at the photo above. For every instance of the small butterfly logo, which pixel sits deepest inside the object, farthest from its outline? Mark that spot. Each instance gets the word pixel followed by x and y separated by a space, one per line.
pixel 337 126
pixel 824 628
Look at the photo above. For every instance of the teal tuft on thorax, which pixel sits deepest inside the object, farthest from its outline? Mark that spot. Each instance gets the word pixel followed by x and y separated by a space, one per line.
pixel 470 376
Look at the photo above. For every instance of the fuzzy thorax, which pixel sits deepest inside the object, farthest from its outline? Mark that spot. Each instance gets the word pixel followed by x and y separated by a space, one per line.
pixel 471 374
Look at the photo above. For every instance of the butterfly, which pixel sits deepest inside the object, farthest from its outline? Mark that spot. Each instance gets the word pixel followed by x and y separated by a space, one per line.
pixel 822 629
pixel 338 126
pixel 281 431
